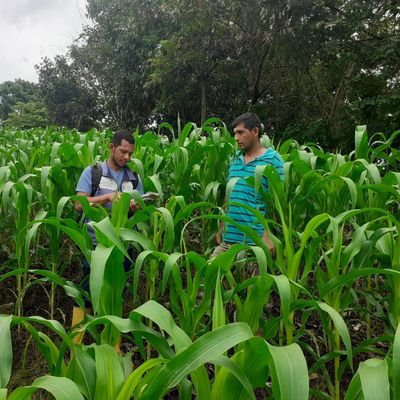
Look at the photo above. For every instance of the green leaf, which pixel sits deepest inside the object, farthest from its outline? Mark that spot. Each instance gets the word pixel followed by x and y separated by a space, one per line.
pixel 252 360
pixel 61 388
pixel 284 290
pixel 162 317
pixel 113 284
pixel 396 364
pixel 353 275
pixel 170 262
pixel 257 297
pixel 361 142
pixel 53 351
pixel 289 373
pixel 130 235
pixel 134 378
pixel 109 374
pixel 374 379
pixel 98 263
pixel 107 235
pixel 6 350
pixel 126 325
pixel 169 233
pixel 244 391
pixel 371 381
pixel 218 314
pixel 82 370
pixel 22 393
pixel 203 350
pixel 341 327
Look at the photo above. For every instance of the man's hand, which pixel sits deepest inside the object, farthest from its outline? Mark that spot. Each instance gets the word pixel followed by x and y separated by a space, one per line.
pixel 218 236
pixel 269 243
pixel 114 196
pixel 133 206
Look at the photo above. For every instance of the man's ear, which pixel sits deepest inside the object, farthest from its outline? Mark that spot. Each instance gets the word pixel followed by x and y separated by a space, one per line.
pixel 255 130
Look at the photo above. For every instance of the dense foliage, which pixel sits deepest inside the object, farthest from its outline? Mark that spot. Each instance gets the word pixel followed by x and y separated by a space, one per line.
pixel 311 69
pixel 21 106
pixel 319 320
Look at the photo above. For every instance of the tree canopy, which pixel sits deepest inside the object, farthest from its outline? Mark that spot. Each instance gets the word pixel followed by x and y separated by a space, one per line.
pixel 311 69
pixel 13 92
pixel 27 115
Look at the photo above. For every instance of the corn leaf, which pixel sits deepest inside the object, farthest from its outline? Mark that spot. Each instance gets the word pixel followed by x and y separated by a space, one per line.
pixel 251 359
pixel 243 391
pixel 218 313
pixel 61 388
pixel 341 327
pixel 289 373
pixel 203 350
pixel 135 377
pixel 257 297
pixel 109 374
pixel 98 263
pixel 396 364
pixel 374 379
pixel 82 370
pixel 6 350
pixel 361 142
pixel 162 317
pixel 371 381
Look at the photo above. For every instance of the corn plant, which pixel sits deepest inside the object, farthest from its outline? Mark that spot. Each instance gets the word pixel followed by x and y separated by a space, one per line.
pixel 335 227
pixel 99 373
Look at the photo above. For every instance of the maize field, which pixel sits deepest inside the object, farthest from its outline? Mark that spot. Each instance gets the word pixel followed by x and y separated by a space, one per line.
pixel 318 320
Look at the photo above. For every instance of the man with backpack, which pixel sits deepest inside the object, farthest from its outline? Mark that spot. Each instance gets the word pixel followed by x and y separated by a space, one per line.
pixel 103 184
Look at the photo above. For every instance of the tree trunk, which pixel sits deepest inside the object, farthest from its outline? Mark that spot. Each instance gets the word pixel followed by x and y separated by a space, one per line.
pixel 341 92
pixel 256 88
pixel 203 103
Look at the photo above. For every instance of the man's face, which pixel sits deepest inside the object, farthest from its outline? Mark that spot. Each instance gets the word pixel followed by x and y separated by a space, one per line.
pixel 122 153
pixel 245 138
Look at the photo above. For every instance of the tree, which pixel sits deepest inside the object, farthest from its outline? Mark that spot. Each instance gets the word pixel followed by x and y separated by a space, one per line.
pixel 12 92
pixel 114 53
pixel 68 100
pixel 27 115
pixel 311 69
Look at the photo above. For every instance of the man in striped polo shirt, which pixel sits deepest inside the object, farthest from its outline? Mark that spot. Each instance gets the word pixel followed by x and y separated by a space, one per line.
pixel 247 131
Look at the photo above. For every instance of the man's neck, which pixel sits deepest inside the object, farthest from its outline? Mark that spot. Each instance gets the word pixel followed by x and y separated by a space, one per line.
pixel 115 167
pixel 254 152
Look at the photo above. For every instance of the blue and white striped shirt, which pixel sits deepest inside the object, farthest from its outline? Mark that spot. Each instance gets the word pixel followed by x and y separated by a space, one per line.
pixel 243 193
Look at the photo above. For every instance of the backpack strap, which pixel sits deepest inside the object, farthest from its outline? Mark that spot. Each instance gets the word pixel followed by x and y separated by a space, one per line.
pixel 134 178
pixel 97 172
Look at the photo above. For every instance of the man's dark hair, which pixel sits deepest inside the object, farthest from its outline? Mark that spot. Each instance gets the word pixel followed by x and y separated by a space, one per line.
pixel 121 135
pixel 249 120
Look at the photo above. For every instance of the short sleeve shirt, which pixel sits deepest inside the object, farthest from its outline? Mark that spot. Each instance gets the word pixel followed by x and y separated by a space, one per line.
pixel 245 194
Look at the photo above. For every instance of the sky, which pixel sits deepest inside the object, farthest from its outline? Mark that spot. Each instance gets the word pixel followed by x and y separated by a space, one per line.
pixel 33 29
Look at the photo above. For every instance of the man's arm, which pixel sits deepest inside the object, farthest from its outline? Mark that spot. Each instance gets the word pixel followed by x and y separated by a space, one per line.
pixel 218 236
pixel 84 188
pixel 268 242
